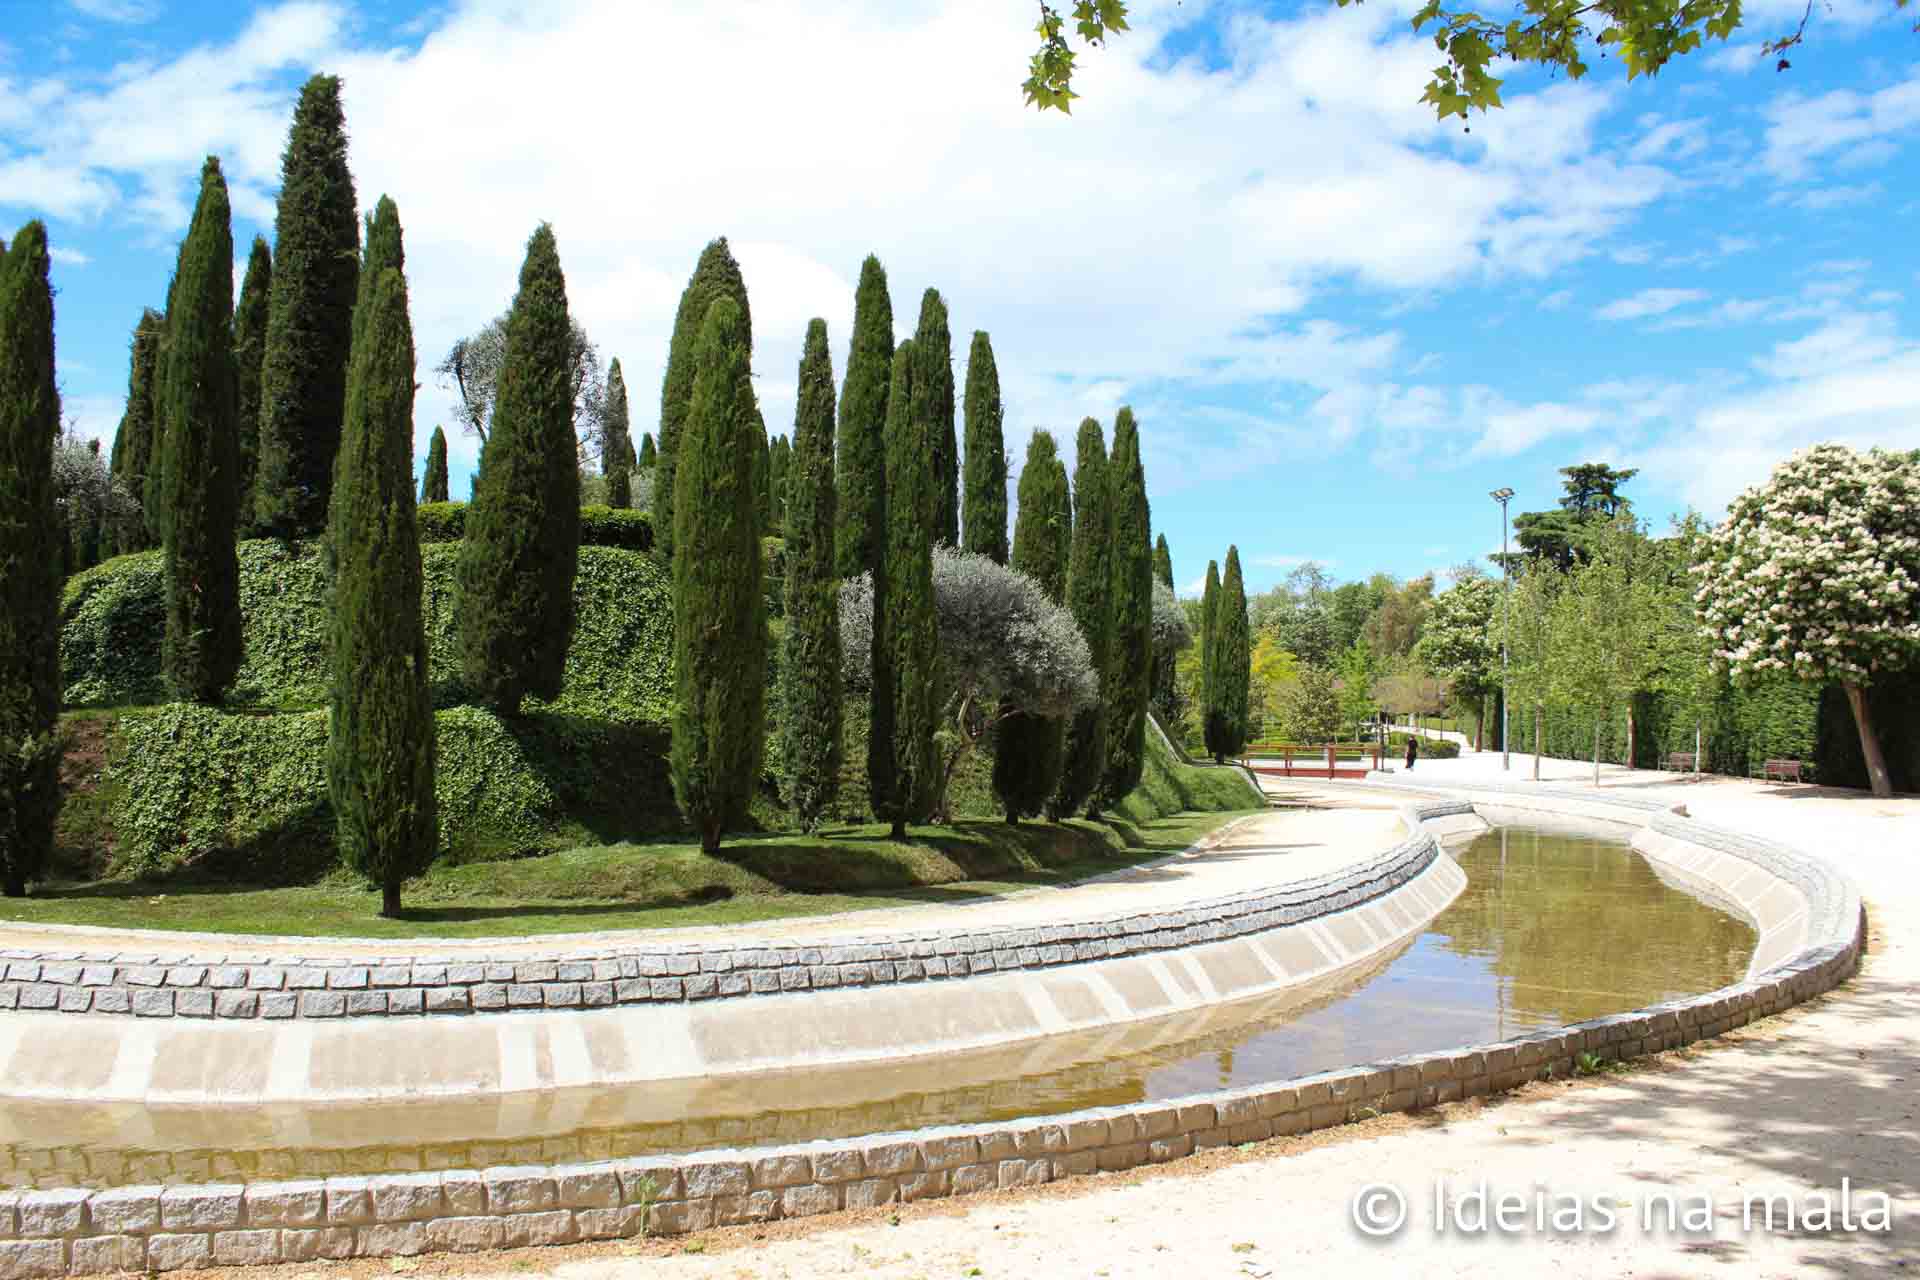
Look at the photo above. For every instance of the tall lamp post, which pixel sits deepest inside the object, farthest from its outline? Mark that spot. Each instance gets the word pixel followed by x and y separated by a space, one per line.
pixel 1501 496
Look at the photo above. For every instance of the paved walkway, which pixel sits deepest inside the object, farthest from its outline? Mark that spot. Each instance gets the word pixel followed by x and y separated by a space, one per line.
pixel 1795 1105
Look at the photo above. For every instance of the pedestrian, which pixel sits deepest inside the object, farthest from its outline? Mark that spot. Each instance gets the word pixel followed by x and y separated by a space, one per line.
pixel 1413 749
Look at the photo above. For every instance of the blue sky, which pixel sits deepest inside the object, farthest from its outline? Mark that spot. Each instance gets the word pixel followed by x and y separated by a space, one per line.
pixel 1340 322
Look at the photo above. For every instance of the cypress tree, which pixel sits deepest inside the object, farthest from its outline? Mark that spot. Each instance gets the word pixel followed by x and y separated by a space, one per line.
pixel 715 275
pixel 780 471
pixel 648 454
pixel 29 564
pixel 316 269
pixel 133 445
pixel 810 667
pixel 433 485
pixel 1163 700
pixel 763 477
pixel 202 442
pixel 522 546
pixel 719 632
pixel 380 742
pixel 1232 653
pixel 616 453
pixel 249 347
pixel 860 484
pixel 1130 655
pixel 1209 629
pixel 986 462
pixel 1089 598
pixel 902 768
pixel 933 383
pixel 1026 763
pixel 1162 562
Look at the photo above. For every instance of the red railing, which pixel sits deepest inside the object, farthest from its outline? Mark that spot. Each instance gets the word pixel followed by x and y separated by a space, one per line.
pixel 1299 760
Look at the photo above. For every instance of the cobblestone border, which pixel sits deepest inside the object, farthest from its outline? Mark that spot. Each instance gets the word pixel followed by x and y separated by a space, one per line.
pixel 182 985
pixel 149 1229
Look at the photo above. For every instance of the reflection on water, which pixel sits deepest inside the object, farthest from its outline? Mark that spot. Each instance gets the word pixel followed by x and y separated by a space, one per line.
pixel 1550 929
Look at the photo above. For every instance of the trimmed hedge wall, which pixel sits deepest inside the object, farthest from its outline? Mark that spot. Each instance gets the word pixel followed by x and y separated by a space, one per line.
pixel 111 624
pixel 599 526
pixel 1430 748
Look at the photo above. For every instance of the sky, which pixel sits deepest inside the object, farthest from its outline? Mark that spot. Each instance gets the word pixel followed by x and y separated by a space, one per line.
pixel 1339 322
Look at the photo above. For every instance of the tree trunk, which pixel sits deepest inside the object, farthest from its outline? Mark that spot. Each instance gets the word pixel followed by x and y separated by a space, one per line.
pixel 1538 715
pixel 1596 753
pixel 710 839
pixel 1629 733
pixel 1877 776
pixel 898 830
pixel 16 885
pixel 390 900
pixel 1696 748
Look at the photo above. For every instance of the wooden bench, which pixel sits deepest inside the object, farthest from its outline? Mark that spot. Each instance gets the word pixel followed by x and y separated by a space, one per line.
pixel 1680 761
pixel 1781 771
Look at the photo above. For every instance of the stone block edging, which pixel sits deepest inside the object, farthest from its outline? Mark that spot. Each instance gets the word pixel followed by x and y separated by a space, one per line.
pixel 64 1232
pixel 239 986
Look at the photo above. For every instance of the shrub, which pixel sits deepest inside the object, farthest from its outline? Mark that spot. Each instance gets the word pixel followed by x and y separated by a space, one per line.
pixel 1437 748
pixel 599 526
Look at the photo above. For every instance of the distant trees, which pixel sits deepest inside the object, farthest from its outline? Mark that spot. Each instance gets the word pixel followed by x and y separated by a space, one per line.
pixel 433 485
pixel 303 369
pixel 29 564
pixel 985 508
pixel 719 634
pixel 249 354
pixel 472 367
pixel 1090 598
pixel 200 445
pixel 1229 665
pixel 521 549
pixel 810 665
pixel 617 457
pixel 380 740
pixel 1459 643
pixel 134 444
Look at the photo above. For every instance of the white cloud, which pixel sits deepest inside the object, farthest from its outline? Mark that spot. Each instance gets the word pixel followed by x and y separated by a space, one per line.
pixel 118 10
pixel 1511 430
pixel 1818 199
pixel 1801 129
pixel 1733 59
pixel 1650 302
pixel 1679 139
pixel 68 257
pixel 1558 300
pixel 1844 342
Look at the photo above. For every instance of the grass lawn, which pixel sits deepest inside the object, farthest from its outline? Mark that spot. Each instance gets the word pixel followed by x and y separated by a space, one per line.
pixel 647 886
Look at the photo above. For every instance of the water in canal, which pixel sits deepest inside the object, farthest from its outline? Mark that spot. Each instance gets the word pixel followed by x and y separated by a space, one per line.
pixel 1551 929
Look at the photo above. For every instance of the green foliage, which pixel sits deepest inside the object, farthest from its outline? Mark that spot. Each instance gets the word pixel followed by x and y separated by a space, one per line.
pixel 433 485
pixel 1169 785
pixel 133 443
pixel 903 766
pixel 1356 684
pixel 1430 748
pixel 715 275
pixel 599 526
pixel 200 437
pixel 933 406
pixel 380 745
pixel 1162 562
pixel 1209 625
pixel 522 541
pixel 649 455
pixel 616 451
pixel 779 476
pixel 860 481
pixel 1090 598
pixel 1310 707
pixel 1230 665
pixel 810 701
pixel 1050 77
pixel 1129 682
pixel 1031 749
pixel 720 654
pixel 316 268
pixel 29 563
pixel 985 513
pixel 249 350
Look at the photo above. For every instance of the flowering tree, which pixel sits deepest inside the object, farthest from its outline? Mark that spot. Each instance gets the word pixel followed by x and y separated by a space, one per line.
pixel 1817 573
pixel 1459 643
pixel 1004 648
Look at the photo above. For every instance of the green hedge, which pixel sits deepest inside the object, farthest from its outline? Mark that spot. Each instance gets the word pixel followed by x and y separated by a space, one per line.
pixel 1432 748
pixel 243 798
pixel 599 526
pixel 112 624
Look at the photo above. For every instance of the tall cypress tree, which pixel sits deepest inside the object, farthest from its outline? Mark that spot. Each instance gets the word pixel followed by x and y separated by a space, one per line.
pixel 316 270
pixel 433 485
pixel 1232 664
pixel 1090 599
pixel 933 383
pixel 249 349
pixel 1209 630
pixel 810 667
pixel 202 442
pixel 719 631
pixel 860 483
pixel 29 564
pixel 1164 700
pixel 902 767
pixel 985 521
pixel 763 476
pixel 1162 562
pixel 133 445
pixel 648 454
pixel 715 275
pixel 1130 657
pixel 380 741
pixel 522 545
pixel 616 453
pixel 780 472
pixel 1026 763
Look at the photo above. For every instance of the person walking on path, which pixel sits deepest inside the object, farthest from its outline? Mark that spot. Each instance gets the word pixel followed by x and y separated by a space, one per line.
pixel 1413 750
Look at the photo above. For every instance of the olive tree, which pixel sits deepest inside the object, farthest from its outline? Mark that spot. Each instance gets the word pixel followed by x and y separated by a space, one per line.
pixel 1816 573
pixel 1005 648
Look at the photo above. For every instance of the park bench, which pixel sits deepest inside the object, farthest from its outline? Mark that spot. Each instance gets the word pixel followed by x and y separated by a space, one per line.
pixel 1781 771
pixel 1680 761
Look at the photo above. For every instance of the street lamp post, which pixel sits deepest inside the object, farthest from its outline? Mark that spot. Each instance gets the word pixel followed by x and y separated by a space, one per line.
pixel 1506 748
